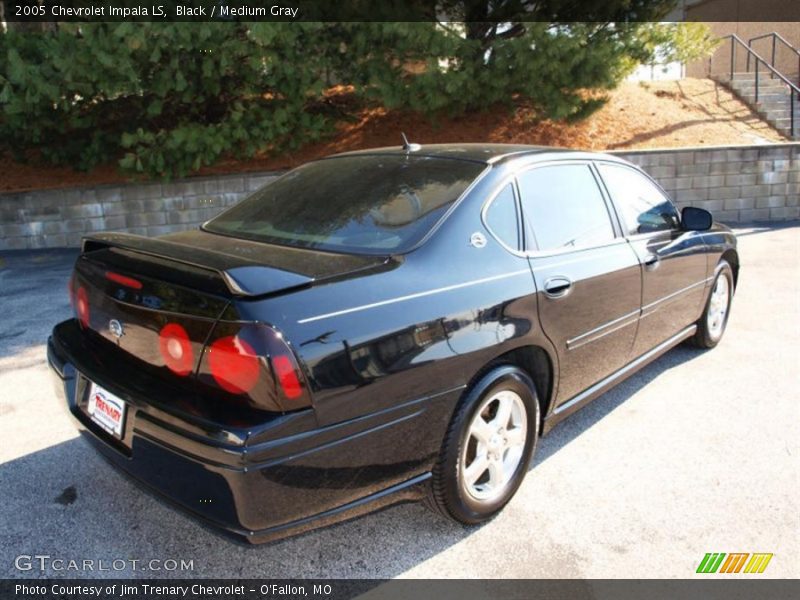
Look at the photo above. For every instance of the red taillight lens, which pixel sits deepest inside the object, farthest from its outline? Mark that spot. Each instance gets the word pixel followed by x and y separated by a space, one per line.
pixel 176 349
pixel 287 376
pixel 255 364
pixel 82 306
pixel 123 280
pixel 234 364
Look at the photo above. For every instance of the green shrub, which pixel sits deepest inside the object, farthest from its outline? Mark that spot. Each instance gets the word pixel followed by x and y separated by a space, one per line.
pixel 172 97
pixel 550 65
pixel 167 99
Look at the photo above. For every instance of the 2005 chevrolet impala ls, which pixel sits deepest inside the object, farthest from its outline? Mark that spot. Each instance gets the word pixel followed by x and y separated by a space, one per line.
pixel 381 326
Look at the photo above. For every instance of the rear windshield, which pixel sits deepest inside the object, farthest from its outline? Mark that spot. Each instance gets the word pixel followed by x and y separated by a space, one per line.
pixel 357 204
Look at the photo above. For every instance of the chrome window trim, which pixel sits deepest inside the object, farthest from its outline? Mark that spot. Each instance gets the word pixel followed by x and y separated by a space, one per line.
pixel 509 180
pixel 551 253
pixel 546 265
pixel 619 236
pixel 637 237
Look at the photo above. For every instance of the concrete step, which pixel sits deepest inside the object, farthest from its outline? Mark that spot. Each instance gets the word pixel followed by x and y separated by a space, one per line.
pixel 766 99
pixel 774 102
pixel 784 127
pixel 762 80
pixel 769 87
pixel 780 105
pixel 781 88
pixel 780 114
pixel 762 73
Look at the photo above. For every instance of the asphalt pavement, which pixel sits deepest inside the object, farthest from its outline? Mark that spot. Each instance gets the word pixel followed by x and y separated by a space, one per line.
pixel 697 453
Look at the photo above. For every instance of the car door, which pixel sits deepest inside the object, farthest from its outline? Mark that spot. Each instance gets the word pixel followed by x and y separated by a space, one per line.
pixel 673 260
pixel 587 276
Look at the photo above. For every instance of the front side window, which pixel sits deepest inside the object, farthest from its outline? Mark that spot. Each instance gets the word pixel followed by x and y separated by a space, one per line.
pixel 501 217
pixel 564 207
pixel 365 204
pixel 643 206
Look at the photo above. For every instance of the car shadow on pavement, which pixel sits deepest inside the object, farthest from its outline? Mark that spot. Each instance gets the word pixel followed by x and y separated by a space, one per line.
pixel 67 502
pixel 587 416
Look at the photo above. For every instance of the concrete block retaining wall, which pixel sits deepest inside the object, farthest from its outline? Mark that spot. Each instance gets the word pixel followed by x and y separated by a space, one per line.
pixel 738 184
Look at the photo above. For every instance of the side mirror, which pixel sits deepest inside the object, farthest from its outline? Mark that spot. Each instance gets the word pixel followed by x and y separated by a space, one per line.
pixel 695 219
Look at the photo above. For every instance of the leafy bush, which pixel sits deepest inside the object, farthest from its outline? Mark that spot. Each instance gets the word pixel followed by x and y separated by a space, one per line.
pixel 474 66
pixel 170 98
pixel 174 97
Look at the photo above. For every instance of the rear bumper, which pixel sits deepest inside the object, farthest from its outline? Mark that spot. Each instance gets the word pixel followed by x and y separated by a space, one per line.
pixel 276 479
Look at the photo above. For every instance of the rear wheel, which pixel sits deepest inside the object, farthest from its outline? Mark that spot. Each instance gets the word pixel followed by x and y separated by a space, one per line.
pixel 714 319
pixel 488 447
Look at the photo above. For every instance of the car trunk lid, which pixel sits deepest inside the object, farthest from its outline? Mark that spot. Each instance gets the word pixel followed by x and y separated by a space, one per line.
pixel 158 306
pixel 247 268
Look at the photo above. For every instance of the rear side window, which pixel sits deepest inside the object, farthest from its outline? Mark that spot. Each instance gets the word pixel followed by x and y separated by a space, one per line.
pixel 369 204
pixel 564 207
pixel 501 217
pixel 643 206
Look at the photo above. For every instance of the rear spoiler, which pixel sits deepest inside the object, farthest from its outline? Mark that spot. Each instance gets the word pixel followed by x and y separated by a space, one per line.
pixel 243 277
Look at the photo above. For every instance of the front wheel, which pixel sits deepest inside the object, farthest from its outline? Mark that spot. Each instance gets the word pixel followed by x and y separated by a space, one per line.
pixel 487 448
pixel 714 319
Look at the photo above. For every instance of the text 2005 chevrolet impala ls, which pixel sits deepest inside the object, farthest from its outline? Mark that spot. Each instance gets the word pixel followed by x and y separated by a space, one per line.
pixel 379 326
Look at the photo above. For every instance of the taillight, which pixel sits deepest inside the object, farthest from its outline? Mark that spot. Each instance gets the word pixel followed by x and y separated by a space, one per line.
pixel 234 364
pixel 176 349
pixel 82 305
pixel 254 364
pixel 286 373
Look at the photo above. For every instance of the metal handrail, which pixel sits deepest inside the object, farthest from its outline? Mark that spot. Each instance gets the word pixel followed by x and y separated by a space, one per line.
pixel 776 37
pixel 793 89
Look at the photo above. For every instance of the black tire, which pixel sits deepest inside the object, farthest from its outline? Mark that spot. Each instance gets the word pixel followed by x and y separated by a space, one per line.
pixel 705 337
pixel 447 494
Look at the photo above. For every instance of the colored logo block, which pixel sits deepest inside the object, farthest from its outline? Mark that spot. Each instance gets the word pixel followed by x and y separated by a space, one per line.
pixel 720 562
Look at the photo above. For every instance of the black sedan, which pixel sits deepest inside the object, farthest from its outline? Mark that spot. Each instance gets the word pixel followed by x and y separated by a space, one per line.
pixel 381 326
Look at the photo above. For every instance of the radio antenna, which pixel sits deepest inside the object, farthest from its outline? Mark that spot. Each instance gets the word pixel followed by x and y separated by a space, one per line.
pixel 409 146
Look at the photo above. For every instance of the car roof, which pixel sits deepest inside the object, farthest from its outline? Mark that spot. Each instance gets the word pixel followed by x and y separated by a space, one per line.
pixel 481 153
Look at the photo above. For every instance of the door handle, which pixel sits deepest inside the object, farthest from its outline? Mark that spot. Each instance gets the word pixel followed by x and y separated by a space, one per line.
pixel 651 262
pixel 557 287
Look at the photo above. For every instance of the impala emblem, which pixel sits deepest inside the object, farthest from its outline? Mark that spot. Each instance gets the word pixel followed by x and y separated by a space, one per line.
pixel 116 329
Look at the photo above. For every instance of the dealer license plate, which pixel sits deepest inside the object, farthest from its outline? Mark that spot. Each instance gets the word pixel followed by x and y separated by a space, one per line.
pixel 106 409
